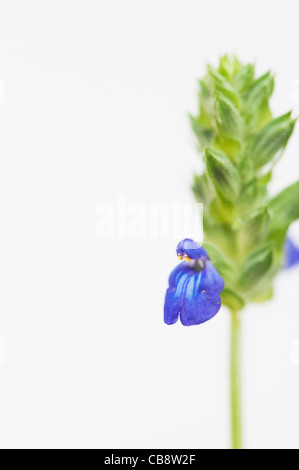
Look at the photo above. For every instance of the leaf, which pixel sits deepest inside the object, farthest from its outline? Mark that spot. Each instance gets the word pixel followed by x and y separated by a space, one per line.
pixel 223 174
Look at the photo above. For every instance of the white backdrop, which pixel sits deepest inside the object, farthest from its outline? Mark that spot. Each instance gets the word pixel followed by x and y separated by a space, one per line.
pixel 94 101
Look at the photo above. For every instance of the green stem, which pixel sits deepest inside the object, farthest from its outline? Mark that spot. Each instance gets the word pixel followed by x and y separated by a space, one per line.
pixel 235 381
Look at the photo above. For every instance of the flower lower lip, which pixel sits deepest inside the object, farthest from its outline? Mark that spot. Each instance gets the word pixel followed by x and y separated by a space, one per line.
pixel 194 288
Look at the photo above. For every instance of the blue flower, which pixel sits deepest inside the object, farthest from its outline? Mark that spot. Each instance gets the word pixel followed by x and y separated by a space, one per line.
pixel 291 254
pixel 194 287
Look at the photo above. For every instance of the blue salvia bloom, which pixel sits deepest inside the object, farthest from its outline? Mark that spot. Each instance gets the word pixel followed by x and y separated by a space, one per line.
pixel 291 254
pixel 194 287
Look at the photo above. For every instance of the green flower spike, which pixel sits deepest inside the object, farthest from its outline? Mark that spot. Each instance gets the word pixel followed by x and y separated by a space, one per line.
pixel 245 229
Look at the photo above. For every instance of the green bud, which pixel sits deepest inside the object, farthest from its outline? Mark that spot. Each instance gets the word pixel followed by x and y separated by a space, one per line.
pixel 284 208
pixel 256 267
pixel 204 135
pixel 259 221
pixel 272 139
pixel 244 77
pixel 221 262
pixel 249 195
pixel 266 178
pixel 245 229
pixel 222 210
pixel 223 174
pixel 264 294
pixel 232 300
pixel 217 234
pixel 246 169
pixel 204 92
pixel 202 188
pixel 229 66
pixel 206 110
pixel 230 147
pixel 224 87
pixel 259 92
pixel 257 225
pixel 229 120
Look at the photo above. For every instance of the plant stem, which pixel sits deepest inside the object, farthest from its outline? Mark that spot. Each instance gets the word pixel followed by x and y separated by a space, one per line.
pixel 235 381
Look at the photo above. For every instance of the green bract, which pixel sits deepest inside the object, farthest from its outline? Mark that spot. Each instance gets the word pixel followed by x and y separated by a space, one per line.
pixel 245 229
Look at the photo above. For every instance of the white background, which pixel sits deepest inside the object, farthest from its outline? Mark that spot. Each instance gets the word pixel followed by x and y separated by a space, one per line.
pixel 96 101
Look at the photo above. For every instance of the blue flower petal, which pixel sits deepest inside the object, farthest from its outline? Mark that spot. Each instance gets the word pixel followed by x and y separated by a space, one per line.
pixel 291 254
pixel 174 294
pixel 191 249
pixel 211 281
pixel 201 299
pixel 185 266
pixel 199 309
